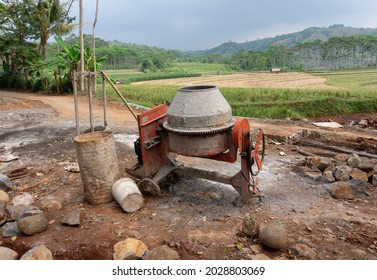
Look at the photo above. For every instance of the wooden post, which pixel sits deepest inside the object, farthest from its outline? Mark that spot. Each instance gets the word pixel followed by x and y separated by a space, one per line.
pixel 76 103
pixel 90 101
pixel 104 101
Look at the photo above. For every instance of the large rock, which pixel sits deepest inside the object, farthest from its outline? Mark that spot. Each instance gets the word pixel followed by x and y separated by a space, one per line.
pixel 15 212
pixel 161 253
pixel 250 226
pixel 274 236
pixel 358 174
pixel 341 190
pixel 10 229
pixel 342 173
pixel 5 183
pixel 7 254
pixel 129 249
pixel 358 186
pixel 4 196
pixel 303 251
pixel 39 252
pixel 32 222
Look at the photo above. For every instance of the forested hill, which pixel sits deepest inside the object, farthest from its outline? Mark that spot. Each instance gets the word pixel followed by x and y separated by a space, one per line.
pixel 289 40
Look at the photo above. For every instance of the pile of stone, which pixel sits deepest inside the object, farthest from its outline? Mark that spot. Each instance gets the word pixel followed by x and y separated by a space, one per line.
pixel 21 217
pixel 347 175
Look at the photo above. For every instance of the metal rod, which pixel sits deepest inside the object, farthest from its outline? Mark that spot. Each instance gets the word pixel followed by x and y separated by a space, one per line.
pixel 90 102
pixel 76 103
pixel 119 94
pixel 104 102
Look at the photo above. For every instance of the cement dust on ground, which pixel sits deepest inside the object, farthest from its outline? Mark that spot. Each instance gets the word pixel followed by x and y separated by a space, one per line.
pixel 195 217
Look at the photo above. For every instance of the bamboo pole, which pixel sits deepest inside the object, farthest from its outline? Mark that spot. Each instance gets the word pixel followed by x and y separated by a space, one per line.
pixel 119 94
pixel 90 101
pixel 76 103
pixel 104 102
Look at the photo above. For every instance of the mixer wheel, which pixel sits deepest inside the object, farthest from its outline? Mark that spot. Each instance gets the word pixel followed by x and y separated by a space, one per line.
pixel 149 187
pixel 255 151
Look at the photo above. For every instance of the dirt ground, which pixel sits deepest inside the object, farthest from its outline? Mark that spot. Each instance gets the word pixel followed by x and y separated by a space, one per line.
pixel 193 216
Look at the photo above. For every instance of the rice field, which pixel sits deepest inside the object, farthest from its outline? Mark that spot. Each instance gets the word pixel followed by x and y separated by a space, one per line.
pixel 266 95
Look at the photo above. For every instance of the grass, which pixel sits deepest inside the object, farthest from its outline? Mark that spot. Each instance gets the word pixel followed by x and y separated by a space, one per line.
pixel 202 68
pixel 355 97
pixel 139 77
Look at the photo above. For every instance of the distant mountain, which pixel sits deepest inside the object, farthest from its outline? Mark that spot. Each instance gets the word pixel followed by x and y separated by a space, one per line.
pixel 309 34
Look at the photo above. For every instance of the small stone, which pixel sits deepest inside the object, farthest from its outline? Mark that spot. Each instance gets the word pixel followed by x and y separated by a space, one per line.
pixel 274 236
pixel 129 249
pixel 354 162
pixel 314 175
pixel 366 166
pixel 5 183
pixel 10 229
pixel 15 212
pixel 4 196
pixel 358 254
pixel 40 252
pixel 162 253
pixel 250 226
pixel 303 251
pixel 358 174
pixel 341 158
pixel 374 180
pixel 51 205
pixel 328 176
pixel 282 154
pixel 320 163
pixel 341 190
pixel 256 248
pixel 7 254
pixel 342 173
pixel 2 209
pixel 260 257
pixel 32 222
pixel 363 123
pixel 73 218
pixel 24 199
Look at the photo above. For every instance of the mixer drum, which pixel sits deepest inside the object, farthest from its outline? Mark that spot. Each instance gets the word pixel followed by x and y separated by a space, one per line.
pixel 199 122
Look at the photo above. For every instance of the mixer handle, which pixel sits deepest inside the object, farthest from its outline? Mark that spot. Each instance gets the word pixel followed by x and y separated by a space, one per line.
pixel 255 151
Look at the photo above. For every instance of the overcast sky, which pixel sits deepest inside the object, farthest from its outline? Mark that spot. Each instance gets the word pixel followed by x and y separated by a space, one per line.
pixel 202 24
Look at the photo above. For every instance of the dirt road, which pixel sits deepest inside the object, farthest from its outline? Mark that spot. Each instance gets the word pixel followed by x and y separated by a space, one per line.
pixel 194 217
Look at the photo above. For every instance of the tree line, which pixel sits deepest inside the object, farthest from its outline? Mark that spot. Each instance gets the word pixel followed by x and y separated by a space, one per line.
pixel 29 61
pixel 333 54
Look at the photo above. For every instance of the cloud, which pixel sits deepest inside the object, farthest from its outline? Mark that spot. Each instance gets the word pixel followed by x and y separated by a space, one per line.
pixel 201 24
